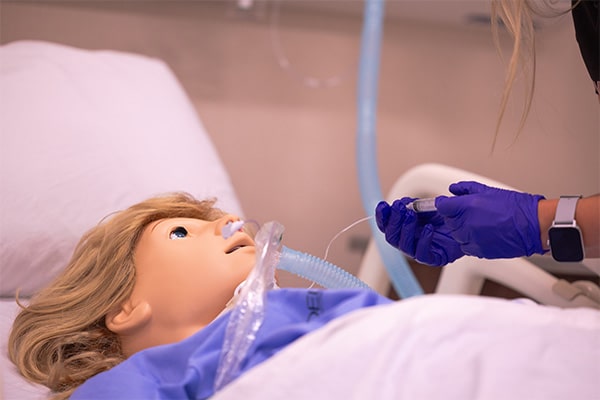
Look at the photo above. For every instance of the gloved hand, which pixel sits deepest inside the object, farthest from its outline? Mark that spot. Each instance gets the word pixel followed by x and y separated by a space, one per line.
pixel 479 220
pixel 490 222
pixel 423 236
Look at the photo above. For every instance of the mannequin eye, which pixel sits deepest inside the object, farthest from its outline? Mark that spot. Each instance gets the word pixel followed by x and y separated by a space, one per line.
pixel 178 233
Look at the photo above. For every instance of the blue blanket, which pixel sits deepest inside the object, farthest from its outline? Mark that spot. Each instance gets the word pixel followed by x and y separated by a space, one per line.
pixel 187 369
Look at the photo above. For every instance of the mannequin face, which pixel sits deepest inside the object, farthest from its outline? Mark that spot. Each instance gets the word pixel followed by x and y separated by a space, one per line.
pixel 187 272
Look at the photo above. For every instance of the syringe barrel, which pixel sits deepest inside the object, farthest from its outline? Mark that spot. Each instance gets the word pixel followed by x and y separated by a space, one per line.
pixel 422 205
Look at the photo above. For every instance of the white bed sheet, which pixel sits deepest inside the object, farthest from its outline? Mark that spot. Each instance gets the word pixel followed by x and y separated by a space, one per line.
pixel 12 385
pixel 438 347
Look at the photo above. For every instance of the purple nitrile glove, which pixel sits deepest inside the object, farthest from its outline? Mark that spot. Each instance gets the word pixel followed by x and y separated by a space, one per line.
pixel 422 236
pixel 490 222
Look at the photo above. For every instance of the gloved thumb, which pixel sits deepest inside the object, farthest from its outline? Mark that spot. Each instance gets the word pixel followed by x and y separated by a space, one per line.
pixel 449 206
pixel 467 187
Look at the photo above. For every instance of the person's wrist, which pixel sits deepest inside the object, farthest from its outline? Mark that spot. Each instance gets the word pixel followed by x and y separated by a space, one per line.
pixel 546 212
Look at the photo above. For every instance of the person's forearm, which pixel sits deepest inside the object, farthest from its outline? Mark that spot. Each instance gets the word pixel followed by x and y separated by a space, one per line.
pixel 587 216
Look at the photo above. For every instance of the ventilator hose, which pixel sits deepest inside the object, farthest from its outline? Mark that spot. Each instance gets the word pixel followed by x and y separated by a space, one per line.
pixel 317 270
pixel 401 276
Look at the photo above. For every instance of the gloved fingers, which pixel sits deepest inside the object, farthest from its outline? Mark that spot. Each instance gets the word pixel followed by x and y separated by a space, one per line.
pixel 383 211
pixel 450 207
pixel 436 248
pixel 471 249
pixel 408 235
pixel 407 200
pixel 438 199
pixel 395 223
pixel 424 252
pixel 382 215
pixel 467 187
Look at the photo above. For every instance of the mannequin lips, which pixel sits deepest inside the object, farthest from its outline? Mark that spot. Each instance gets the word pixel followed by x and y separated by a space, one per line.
pixel 241 242
pixel 234 249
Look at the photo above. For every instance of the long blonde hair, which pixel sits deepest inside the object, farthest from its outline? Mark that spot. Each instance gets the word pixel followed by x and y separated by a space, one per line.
pixel 60 339
pixel 517 17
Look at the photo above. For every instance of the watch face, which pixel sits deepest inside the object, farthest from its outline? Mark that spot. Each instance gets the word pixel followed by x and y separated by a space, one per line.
pixel 566 244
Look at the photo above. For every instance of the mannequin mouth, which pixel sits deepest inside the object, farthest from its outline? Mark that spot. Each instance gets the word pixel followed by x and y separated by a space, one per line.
pixel 236 248
pixel 240 244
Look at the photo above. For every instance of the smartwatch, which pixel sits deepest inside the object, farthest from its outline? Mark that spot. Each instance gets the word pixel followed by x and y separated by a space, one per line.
pixel 564 236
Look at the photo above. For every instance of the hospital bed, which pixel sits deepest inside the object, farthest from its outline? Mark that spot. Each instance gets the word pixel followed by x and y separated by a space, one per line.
pixel 85 133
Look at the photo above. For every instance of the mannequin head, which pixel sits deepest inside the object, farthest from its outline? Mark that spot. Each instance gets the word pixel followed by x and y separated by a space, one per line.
pixel 160 263
pixel 186 272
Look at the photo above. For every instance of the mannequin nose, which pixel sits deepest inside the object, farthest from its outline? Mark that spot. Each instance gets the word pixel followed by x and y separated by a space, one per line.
pixel 225 220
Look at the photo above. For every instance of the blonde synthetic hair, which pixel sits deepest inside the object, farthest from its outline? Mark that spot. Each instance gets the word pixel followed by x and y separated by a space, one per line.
pixel 517 17
pixel 60 339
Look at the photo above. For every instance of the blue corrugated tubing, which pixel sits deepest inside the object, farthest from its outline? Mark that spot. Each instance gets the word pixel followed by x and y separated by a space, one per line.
pixel 401 276
pixel 317 270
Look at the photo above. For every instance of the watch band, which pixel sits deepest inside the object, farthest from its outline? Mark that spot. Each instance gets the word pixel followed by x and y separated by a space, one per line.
pixel 565 210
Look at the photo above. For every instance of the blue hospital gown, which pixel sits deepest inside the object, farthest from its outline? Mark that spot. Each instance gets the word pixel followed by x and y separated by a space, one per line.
pixel 187 369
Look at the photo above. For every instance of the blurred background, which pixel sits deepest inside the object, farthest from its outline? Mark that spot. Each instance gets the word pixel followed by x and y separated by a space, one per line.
pixel 274 83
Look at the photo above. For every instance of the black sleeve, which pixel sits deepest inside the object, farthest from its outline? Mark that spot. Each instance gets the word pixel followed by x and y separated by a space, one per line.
pixel 585 18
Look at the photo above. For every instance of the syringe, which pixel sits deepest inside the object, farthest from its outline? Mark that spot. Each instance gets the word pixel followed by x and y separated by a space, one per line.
pixel 422 205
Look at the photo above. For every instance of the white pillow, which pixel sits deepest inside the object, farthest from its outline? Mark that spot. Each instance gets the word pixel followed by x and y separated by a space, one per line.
pixel 13 385
pixel 83 134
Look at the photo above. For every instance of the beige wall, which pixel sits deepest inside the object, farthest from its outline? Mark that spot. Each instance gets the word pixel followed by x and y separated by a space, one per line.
pixel 290 149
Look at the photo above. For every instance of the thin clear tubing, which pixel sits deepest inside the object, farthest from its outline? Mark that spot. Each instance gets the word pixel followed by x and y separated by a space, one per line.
pixel 401 275
pixel 422 205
